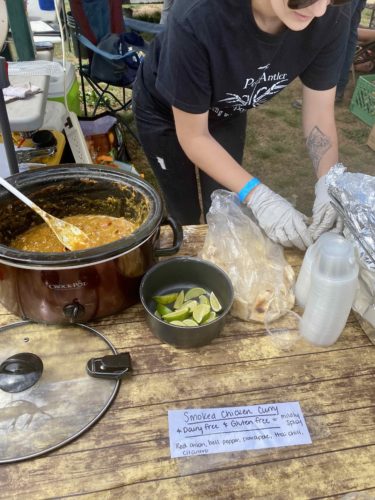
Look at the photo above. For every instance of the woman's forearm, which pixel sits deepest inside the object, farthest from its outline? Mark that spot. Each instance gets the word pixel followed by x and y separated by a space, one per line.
pixel 320 129
pixel 206 153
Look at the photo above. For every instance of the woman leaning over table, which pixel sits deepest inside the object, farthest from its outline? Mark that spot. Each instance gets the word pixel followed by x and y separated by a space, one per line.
pixel 215 60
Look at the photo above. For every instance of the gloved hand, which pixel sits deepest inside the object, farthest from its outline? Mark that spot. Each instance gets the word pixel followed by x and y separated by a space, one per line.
pixel 325 216
pixel 280 221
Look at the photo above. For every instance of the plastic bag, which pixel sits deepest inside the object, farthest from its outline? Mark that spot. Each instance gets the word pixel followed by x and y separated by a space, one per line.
pixel 261 277
pixel 364 302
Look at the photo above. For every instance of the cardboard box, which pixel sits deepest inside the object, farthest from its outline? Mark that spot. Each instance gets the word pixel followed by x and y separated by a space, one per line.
pixel 371 139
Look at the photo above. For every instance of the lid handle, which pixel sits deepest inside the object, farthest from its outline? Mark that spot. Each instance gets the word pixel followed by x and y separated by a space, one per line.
pixel 20 371
pixel 113 366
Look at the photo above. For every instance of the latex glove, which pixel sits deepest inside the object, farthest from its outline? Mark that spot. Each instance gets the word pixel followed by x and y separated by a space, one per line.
pixel 279 219
pixel 325 217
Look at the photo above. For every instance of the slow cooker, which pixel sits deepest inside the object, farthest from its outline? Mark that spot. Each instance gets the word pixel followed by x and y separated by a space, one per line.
pixel 88 284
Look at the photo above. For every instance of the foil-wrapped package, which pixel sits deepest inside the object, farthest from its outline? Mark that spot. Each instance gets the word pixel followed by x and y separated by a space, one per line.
pixel 353 196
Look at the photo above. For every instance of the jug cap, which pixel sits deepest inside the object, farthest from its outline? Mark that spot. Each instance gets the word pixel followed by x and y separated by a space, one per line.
pixel 329 238
pixel 337 259
pixel 324 239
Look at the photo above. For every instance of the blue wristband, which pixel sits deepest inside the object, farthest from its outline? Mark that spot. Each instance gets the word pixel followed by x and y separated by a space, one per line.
pixel 249 186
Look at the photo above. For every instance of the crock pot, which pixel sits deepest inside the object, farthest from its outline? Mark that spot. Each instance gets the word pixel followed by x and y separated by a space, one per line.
pixel 87 284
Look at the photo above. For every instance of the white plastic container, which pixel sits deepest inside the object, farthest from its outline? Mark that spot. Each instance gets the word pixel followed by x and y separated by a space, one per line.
pixel 334 279
pixel 56 88
pixel 302 286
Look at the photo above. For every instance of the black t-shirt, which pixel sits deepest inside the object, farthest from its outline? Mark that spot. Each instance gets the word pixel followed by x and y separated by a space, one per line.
pixel 212 56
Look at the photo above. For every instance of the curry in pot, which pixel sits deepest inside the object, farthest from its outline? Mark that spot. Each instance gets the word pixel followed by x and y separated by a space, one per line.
pixel 100 229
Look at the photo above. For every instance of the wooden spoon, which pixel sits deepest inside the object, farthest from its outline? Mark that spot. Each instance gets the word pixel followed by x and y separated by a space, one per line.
pixel 70 236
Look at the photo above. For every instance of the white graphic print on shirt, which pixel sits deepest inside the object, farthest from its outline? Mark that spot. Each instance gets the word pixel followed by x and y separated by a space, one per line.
pixel 261 90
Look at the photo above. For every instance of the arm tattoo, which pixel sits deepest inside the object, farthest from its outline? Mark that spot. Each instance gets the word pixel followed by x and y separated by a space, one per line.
pixel 317 145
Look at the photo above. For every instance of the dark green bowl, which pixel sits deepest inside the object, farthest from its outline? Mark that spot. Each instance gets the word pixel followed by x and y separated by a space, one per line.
pixel 182 273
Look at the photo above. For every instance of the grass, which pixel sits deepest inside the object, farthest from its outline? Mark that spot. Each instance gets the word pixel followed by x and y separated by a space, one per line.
pixel 275 150
pixel 146 12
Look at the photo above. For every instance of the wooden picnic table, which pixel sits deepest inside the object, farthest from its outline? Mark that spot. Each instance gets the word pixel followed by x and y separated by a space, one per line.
pixel 126 453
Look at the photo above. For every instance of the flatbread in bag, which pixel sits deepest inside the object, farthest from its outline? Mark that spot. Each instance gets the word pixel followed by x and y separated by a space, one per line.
pixel 262 279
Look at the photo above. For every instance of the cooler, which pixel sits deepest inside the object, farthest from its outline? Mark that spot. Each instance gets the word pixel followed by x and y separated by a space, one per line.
pixel 43 10
pixel 56 89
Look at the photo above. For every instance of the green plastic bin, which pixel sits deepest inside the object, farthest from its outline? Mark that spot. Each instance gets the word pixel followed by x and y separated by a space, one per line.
pixel 363 101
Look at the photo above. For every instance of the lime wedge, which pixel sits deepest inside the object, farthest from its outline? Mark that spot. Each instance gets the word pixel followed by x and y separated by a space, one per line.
pixel 189 322
pixel 203 299
pixel 191 304
pixel 210 318
pixel 162 309
pixel 157 314
pixel 193 293
pixel 215 304
pixel 176 322
pixel 165 299
pixel 180 300
pixel 201 312
pixel 178 315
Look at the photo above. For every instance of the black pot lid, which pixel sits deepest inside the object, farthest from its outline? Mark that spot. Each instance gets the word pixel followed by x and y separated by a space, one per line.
pixel 47 397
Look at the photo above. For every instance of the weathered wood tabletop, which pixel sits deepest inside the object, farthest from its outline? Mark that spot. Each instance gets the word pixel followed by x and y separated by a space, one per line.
pixel 126 453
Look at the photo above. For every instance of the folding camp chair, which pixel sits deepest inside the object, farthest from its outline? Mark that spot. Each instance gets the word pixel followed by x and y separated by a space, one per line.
pixel 89 22
pixel 143 26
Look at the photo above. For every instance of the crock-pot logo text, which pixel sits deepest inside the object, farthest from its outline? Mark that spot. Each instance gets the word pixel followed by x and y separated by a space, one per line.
pixel 66 286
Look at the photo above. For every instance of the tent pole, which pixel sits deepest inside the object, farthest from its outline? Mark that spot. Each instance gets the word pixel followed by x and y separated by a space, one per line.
pixel 21 31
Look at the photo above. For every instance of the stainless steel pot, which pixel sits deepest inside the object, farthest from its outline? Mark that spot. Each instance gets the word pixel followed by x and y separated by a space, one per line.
pixel 86 284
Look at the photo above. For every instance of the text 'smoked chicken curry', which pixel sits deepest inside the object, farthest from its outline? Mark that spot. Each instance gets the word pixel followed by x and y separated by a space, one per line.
pixel 100 229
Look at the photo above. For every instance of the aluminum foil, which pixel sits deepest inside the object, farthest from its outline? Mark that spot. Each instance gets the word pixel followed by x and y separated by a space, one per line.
pixel 353 196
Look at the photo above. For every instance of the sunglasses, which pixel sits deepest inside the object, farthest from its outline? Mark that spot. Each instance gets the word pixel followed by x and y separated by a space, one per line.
pixel 302 4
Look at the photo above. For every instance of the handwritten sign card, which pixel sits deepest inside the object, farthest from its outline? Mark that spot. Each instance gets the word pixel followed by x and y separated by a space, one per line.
pixel 218 430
